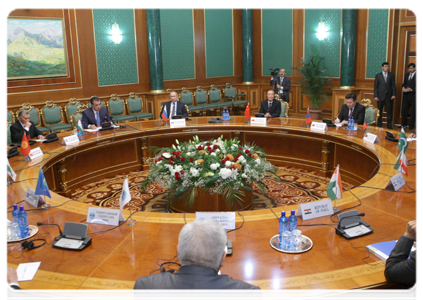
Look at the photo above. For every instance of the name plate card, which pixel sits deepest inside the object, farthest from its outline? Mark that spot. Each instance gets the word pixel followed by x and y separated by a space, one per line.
pixel 32 199
pixel 371 138
pixel 319 126
pixel 104 216
pixel 72 139
pixel 259 121
pixel 177 123
pixel 396 182
pixel 315 209
pixel 34 154
pixel 226 219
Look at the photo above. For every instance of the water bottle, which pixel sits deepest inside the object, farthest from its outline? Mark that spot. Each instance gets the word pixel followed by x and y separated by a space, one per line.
pixel 223 114
pixel 23 222
pixel 227 114
pixel 283 226
pixel 352 123
pixel 349 123
pixel 292 221
pixel 15 214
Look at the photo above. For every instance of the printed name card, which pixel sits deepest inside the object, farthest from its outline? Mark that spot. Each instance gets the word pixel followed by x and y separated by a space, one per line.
pixel 315 209
pixel 259 121
pixel 226 219
pixel 34 200
pixel 319 126
pixel 396 182
pixel 72 139
pixel 371 138
pixel 177 123
pixel 104 216
pixel 34 154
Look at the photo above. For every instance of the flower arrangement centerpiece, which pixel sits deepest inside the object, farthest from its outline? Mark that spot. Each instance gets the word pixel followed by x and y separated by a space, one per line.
pixel 217 166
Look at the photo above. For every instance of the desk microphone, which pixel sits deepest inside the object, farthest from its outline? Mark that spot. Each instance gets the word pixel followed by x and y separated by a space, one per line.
pixel 350 225
pixel 40 223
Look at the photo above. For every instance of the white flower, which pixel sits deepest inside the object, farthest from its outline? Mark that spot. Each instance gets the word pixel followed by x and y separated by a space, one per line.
pixel 177 168
pixel 225 173
pixel 258 161
pixel 228 163
pixel 213 154
pixel 214 166
pixel 166 155
pixel 159 162
pixel 194 172
pixel 241 159
pixel 244 175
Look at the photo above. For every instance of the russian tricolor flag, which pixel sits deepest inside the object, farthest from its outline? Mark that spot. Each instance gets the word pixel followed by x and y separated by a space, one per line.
pixel 164 114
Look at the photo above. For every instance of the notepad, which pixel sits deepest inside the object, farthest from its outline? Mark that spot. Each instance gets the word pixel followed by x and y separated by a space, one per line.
pixel 26 271
pixel 383 249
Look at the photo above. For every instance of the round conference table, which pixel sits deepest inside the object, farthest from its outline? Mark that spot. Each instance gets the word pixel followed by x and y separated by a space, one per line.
pixel 117 257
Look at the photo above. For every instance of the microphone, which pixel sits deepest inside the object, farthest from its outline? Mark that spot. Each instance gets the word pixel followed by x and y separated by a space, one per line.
pixel 350 225
pixel 40 223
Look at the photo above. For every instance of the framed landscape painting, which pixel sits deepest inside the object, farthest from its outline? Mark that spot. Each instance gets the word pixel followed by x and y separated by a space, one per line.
pixel 36 47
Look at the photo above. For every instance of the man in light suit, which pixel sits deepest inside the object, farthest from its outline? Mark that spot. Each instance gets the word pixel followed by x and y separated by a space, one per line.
pixel 351 108
pixel 409 98
pixel 270 107
pixel 94 116
pixel 201 252
pixel 174 107
pixel 384 93
pixel 282 85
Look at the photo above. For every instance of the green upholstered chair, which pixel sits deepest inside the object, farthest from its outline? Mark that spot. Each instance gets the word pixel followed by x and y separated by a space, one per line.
pixel 53 117
pixel 231 95
pixel 9 136
pixel 134 107
pixel 117 110
pixel 214 96
pixel 34 116
pixel 372 114
pixel 10 117
pixel 200 100
pixel 71 108
pixel 186 98
pixel 284 107
pixel 77 115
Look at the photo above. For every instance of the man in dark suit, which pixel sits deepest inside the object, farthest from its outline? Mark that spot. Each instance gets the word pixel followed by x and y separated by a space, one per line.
pixel 270 107
pixel 174 107
pixel 94 116
pixel 351 108
pixel 399 268
pixel 409 97
pixel 281 85
pixel 24 126
pixel 384 93
pixel 201 252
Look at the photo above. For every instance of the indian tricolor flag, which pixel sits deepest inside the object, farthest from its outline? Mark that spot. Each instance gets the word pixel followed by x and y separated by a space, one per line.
pixel 401 164
pixel 10 171
pixel 335 185
pixel 79 129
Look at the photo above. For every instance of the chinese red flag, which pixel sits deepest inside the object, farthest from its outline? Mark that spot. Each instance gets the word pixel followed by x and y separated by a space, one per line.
pixel 247 111
pixel 25 146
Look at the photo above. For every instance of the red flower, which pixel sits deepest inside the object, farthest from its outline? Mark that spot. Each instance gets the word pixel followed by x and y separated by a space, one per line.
pixel 156 160
pixel 208 144
pixel 200 147
pixel 171 162
pixel 182 158
pixel 191 159
pixel 236 159
pixel 172 158
pixel 239 154
pixel 173 152
pixel 182 171
pixel 239 148
pixel 177 176
pixel 215 146
pixel 247 151
pixel 223 161
pixel 233 167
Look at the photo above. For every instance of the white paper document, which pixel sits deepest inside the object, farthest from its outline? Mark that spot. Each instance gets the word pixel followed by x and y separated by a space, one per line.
pixel 357 230
pixel 69 243
pixel 27 271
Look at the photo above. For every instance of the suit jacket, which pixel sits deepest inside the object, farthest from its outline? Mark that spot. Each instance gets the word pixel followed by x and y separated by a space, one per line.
pixel 384 90
pixel 398 268
pixel 191 277
pixel 275 111
pixel 180 109
pixel 17 131
pixel 359 113
pixel 286 84
pixel 88 117
pixel 410 84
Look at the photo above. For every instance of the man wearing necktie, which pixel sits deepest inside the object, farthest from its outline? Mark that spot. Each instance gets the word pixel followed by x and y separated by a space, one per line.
pixel 351 108
pixel 270 107
pixel 282 85
pixel 384 93
pixel 24 126
pixel 174 107
pixel 94 116
pixel 409 97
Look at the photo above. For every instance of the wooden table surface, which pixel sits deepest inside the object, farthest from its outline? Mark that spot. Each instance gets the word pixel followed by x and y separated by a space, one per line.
pixel 118 257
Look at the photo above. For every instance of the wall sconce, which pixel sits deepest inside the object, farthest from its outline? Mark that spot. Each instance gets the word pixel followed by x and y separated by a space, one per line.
pixel 115 34
pixel 322 31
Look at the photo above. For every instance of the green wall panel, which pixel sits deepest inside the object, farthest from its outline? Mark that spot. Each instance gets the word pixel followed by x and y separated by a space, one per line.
pixel 219 42
pixel 330 47
pixel 377 41
pixel 116 64
pixel 277 40
pixel 177 43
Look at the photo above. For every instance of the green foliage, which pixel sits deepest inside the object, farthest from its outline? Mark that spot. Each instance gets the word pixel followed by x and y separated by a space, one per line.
pixel 314 77
pixel 18 67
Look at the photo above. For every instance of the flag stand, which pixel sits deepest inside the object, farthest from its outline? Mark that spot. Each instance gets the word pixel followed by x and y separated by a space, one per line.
pixel 9 180
pixel 131 222
pixel 45 205
pixel 335 208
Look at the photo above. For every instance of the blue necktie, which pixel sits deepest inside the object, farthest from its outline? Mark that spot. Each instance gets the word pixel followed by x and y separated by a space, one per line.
pixel 98 118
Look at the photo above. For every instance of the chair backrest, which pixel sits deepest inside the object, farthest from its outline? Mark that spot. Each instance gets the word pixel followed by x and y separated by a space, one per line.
pixel 71 108
pixel 186 96
pixel 230 91
pixel 77 115
pixel 372 114
pixel 214 94
pixel 52 114
pixel 34 113
pixel 200 96
pixel 134 103
pixel 116 105
pixel 9 135
pixel 10 117
pixel 284 107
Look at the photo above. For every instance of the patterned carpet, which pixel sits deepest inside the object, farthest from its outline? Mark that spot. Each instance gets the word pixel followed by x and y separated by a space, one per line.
pixel 299 186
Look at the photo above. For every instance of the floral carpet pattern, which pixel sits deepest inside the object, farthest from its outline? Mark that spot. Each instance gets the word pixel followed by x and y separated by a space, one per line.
pixel 297 186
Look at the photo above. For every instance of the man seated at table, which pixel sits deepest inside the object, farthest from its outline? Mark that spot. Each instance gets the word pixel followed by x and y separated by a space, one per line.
pixel 174 107
pixel 201 252
pixel 401 264
pixel 94 116
pixel 351 108
pixel 270 107
pixel 24 126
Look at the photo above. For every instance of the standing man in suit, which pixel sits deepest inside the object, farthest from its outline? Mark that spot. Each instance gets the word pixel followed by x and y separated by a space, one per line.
pixel 174 107
pixel 384 93
pixel 270 107
pixel 24 126
pixel 351 108
pixel 201 252
pixel 282 85
pixel 94 116
pixel 409 98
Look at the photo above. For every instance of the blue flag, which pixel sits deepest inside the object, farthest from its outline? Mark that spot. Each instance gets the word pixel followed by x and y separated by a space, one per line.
pixel 42 188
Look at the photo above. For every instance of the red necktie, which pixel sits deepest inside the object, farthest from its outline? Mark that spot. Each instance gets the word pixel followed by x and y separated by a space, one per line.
pixel 350 112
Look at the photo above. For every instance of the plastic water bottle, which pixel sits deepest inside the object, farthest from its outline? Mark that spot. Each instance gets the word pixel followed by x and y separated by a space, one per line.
pixel 349 123
pixel 227 114
pixel 352 123
pixel 23 222
pixel 292 221
pixel 15 214
pixel 283 226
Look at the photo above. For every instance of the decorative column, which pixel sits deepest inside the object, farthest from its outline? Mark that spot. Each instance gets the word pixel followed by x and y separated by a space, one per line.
pixel 155 50
pixel 247 46
pixel 349 20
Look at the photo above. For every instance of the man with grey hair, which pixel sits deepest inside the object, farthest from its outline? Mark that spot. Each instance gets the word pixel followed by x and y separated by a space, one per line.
pixel 201 251
pixel 174 107
pixel 24 126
